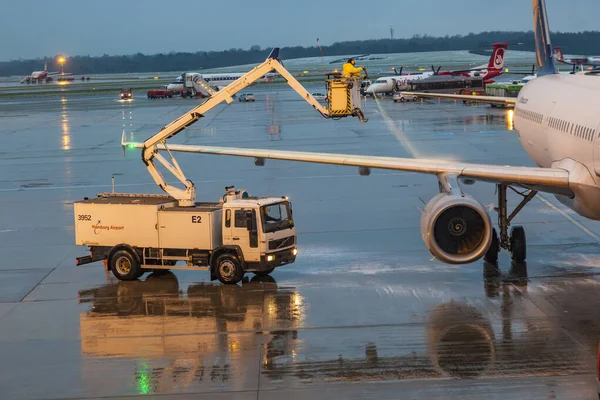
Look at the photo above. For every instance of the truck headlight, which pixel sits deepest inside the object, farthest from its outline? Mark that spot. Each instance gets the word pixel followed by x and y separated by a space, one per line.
pixel 294 251
pixel 270 257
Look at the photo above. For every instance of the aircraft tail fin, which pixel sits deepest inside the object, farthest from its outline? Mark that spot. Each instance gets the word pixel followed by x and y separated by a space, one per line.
pixel 497 58
pixel 543 46
pixel 45 66
pixel 559 54
pixel 274 53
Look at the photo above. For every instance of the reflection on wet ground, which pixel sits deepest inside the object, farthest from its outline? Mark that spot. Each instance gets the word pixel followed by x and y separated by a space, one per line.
pixel 363 305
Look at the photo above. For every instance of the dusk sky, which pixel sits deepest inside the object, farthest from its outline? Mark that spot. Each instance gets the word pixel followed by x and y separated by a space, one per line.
pixel 73 27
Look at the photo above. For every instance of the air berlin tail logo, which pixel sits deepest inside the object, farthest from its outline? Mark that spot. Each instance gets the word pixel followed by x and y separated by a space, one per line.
pixel 499 59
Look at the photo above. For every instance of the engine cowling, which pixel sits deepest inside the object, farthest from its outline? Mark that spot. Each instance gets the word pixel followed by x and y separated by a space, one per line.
pixel 456 229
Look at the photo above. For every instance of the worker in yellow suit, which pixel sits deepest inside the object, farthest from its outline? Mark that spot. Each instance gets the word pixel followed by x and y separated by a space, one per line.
pixel 350 71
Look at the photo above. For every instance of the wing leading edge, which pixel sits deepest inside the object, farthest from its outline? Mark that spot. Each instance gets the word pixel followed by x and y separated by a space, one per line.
pixel 551 180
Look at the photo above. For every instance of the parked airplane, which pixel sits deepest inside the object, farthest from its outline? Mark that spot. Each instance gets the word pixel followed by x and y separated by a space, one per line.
pixel 42 76
pixel 487 72
pixel 594 60
pixel 557 124
pixel 188 82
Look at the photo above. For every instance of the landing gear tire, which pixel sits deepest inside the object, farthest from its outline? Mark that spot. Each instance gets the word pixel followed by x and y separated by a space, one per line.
pixel 228 270
pixel 518 244
pixel 264 273
pixel 491 256
pixel 125 266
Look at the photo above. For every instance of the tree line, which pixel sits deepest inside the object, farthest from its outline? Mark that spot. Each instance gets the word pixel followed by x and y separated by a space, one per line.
pixel 587 43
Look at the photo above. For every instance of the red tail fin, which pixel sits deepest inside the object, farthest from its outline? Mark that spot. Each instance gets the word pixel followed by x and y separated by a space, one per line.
pixel 497 59
pixel 559 54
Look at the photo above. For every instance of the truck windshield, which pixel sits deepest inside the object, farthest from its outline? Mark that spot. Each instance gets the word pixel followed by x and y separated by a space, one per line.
pixel 276 217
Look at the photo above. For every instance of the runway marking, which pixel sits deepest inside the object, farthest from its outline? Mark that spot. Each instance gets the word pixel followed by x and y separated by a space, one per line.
pixel 569 218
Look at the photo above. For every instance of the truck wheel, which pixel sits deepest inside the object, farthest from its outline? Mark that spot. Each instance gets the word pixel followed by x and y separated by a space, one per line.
pixel 125 266
pixel 264 273
pixel 228 269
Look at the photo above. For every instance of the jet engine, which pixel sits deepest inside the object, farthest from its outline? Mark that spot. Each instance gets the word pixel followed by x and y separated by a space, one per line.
pixel 456 228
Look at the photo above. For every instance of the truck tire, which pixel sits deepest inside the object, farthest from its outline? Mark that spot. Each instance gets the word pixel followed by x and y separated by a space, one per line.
pixel 264 273
pixel 228 269
pixel 125 266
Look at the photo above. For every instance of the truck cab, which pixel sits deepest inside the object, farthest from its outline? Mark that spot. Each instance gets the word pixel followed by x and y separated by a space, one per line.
pixel 262 229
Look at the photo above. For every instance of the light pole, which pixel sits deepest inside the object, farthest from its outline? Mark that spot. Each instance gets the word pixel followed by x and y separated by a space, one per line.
pixel 61 61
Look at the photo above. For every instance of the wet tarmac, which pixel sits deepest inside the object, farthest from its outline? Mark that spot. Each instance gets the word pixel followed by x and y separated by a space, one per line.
pixel 362 313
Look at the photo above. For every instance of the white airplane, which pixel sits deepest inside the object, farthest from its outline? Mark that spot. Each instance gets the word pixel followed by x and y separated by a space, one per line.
pixel 214 81
pixel 487 72
pixel 557 123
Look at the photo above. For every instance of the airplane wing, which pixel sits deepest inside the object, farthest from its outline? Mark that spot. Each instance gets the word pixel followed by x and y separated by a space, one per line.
pixel 551 180
pixel 483 99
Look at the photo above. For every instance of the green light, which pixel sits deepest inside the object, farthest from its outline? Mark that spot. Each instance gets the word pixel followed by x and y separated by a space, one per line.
pixel 143 383
pixel 143 379
pixel 131 146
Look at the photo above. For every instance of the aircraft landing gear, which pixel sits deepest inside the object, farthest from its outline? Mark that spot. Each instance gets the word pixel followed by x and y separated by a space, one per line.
pixel 515 243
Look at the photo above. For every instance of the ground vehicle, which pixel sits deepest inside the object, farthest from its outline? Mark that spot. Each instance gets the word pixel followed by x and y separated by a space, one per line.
pixel 136 233
pixel 246 97
pixel 139 233
pixel 126 93
pixel 401 97
pixel 504 90
pixel 442 84
pixel 161 93
pixel 319 96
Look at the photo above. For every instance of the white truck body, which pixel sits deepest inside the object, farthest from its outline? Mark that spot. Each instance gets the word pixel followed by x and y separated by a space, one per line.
pixel 155 222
